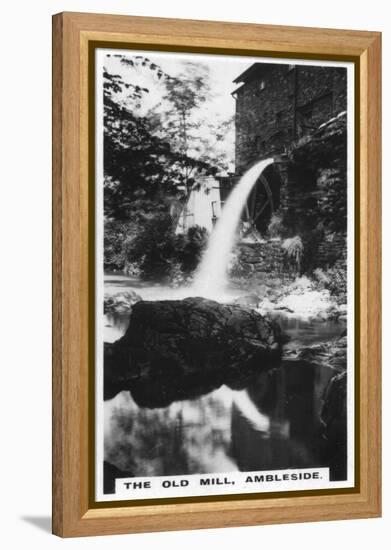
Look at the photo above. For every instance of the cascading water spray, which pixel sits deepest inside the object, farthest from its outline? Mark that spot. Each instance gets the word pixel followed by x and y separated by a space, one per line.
pixel 211 277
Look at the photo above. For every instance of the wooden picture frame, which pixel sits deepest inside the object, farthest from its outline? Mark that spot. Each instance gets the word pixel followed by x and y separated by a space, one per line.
pixel 74 36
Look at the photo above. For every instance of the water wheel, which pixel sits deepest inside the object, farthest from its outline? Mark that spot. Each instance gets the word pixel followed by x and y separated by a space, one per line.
pixel 260 206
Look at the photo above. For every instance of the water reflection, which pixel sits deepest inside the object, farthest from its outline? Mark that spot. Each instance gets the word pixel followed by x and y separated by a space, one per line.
pixel 273 424
pixel 115 326
pixel 187 437
pixel 291 398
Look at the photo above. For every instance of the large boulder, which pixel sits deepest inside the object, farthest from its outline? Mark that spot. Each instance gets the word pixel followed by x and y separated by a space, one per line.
pixel 178 349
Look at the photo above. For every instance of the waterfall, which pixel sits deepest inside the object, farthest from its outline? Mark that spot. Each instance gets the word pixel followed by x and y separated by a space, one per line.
pixel 211 277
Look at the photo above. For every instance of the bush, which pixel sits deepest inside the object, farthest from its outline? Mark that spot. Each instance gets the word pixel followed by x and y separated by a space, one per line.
pixel 333 201
pixel 162 255
pixel 116 235
pixel 294 249
pixel 334 279
pixel 153 247
pixel 190 248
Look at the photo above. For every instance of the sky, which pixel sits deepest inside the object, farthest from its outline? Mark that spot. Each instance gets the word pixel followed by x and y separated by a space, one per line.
pixel 223 70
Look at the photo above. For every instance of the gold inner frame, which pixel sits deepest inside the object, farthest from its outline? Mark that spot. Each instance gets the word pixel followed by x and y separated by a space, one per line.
pixel 92 47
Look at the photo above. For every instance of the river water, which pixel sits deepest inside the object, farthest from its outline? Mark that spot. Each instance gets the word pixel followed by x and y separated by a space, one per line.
pixel 273 424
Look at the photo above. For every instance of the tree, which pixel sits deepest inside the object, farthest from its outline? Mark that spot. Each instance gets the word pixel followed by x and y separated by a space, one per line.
pixel 140 163
pixel 177 117
pixel 141 172
pixel 138 166
pixel 150 167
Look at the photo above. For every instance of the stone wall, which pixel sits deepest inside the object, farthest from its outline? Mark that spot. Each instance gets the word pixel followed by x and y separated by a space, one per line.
pixel 265 258
pixel 332 251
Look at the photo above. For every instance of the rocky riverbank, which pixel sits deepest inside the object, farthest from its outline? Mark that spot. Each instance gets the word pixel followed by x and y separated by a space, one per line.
pixel 302 298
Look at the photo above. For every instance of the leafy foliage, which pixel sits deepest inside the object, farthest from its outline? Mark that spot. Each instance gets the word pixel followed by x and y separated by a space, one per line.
pixel 276 225
pixel 137 165
pixel 147 156
pixel 190 135
pixel 293 247
pixel 190 247
pixel 333 279
pixel 153 247
pixel 116 235
pixel 161 254
pixel 333 200
pixel 148 173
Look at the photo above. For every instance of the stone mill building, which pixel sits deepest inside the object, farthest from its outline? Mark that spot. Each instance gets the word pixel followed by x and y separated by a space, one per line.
pixel 297 115
pixel 277 104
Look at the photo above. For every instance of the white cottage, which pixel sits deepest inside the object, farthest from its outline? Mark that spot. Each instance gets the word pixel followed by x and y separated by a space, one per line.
pixel 203 207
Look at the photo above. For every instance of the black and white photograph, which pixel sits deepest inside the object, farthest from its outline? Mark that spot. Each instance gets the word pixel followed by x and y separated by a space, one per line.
pixel 224 275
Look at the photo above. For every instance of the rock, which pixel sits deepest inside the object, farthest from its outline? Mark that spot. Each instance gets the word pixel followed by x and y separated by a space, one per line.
pixel 334 426
pixel 121 302
pixel 179 349
pixel 110 474
pixel 328 354
pixel 284 308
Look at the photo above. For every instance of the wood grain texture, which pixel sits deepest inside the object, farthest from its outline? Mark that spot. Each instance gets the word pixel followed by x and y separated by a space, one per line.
pixel 58 464
pixel 72 32
pixel 217 34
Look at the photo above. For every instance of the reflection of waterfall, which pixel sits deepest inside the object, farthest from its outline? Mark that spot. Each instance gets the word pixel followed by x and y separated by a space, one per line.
pixel 249 410
pixel 211 277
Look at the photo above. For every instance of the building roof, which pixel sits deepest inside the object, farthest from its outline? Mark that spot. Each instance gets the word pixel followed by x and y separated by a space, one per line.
pixel 254 69
pixel 237 89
